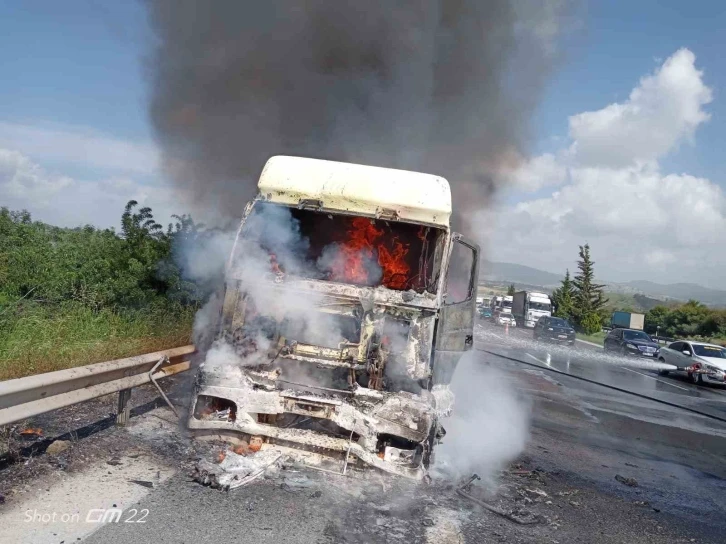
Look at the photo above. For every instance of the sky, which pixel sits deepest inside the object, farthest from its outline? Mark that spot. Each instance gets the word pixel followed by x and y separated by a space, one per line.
pixel 624 147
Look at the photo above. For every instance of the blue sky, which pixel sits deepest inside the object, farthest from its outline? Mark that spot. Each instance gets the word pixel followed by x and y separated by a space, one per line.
pixel 619 42
pixel 73 114
pixel 75 63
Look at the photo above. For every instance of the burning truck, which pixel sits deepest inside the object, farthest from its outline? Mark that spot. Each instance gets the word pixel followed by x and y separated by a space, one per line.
pixel 348 303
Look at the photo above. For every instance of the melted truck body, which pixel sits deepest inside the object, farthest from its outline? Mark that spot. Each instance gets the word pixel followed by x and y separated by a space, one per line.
pixel 348 304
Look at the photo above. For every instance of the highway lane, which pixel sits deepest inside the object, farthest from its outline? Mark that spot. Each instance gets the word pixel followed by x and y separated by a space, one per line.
pixel 638 375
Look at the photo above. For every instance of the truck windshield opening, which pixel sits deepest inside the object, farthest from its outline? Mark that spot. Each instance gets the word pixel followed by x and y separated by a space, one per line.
pixel 341 248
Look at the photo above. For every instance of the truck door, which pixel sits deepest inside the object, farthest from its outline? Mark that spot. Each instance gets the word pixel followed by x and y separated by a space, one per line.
pixel 455 325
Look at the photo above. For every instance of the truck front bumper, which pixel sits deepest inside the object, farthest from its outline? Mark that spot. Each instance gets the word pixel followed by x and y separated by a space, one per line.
pixel 393 432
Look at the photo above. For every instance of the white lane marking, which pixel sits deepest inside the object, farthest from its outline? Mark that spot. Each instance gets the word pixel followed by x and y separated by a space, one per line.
pixel 656 379
pixel 538 360
pixel 589 343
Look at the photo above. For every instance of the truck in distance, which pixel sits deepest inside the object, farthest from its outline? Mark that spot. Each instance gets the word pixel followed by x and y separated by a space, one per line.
pixel 627 320
pixel 348 303
pixel 529 306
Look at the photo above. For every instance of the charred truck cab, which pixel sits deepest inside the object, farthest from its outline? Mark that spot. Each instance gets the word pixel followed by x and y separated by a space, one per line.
pixel 348 304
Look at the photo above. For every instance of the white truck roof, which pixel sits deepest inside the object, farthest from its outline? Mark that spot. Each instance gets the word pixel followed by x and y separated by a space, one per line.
pixel 355 188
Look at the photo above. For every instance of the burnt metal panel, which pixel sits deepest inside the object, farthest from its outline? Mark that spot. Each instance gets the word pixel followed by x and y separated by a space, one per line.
pixel 455 327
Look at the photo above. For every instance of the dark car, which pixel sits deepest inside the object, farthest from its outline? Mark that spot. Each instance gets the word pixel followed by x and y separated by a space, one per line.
pixel 485 312
pixel 631 342
pixel 554 329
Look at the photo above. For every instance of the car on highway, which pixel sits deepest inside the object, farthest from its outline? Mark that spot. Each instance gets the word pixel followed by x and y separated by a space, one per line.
pixel 631 342
pixel 703 363
pixel 554 329
pixel 485 312
pixel 501 318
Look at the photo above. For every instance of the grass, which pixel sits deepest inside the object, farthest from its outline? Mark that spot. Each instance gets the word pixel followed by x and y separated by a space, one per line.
pixel 36 339
pixel 597 338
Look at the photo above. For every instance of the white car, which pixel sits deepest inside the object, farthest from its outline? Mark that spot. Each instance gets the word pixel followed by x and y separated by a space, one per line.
pixel 704 363
pixel 505 319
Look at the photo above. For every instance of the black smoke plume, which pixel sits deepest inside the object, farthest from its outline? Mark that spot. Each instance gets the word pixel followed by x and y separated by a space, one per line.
pixel 439 86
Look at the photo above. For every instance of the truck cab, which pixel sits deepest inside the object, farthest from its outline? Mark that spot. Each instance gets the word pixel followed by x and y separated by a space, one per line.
pixel 348 304
pixel 529 306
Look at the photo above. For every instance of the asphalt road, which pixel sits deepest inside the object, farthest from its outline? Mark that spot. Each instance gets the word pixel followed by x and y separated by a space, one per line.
pixel 598 466
pixel 639 375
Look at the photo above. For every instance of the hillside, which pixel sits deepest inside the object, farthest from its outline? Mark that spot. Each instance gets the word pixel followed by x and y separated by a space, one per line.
pixel 680 291
pixel 526 276
pixel 517 274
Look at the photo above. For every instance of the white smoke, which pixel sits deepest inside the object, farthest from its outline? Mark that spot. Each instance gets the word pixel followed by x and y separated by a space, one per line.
pixel 489 426
pixel 269 253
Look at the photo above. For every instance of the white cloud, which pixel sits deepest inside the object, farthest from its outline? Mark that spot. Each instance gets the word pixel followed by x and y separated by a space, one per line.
pixel 639 221
pixel 79 145
pixel 21 179
pixel 665 108
pixel 64 201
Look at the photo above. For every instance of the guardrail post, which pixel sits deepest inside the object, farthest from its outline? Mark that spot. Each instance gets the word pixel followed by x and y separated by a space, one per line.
pixel 123 413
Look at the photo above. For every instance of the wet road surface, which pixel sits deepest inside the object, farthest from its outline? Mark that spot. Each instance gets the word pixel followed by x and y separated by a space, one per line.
pixel 640 375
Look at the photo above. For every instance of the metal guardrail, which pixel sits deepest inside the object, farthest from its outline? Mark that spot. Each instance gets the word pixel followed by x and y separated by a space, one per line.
pixel 27 397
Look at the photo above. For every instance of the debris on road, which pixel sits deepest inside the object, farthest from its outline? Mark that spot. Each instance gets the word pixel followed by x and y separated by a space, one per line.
pixel 631 482
pixel 31 432
pixel 567 493
pixel 235 470
pixel 537 492
pixel 299 482
pixel 58 446
pixel 143 483
pixel 114 462
pixel 517 515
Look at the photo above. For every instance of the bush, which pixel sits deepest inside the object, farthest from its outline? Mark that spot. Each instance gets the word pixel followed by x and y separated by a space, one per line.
pixel 76 296
pixel 591 323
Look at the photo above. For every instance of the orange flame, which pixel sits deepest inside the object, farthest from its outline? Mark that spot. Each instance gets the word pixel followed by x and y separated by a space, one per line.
pixel 364 242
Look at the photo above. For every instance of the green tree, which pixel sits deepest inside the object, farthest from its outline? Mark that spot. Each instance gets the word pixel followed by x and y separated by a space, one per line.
pixel 655 319
pixel 511 290
pixel 714 324
pixel 97 268
pixel 589 298
pixel 686 320
pixel 563 299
